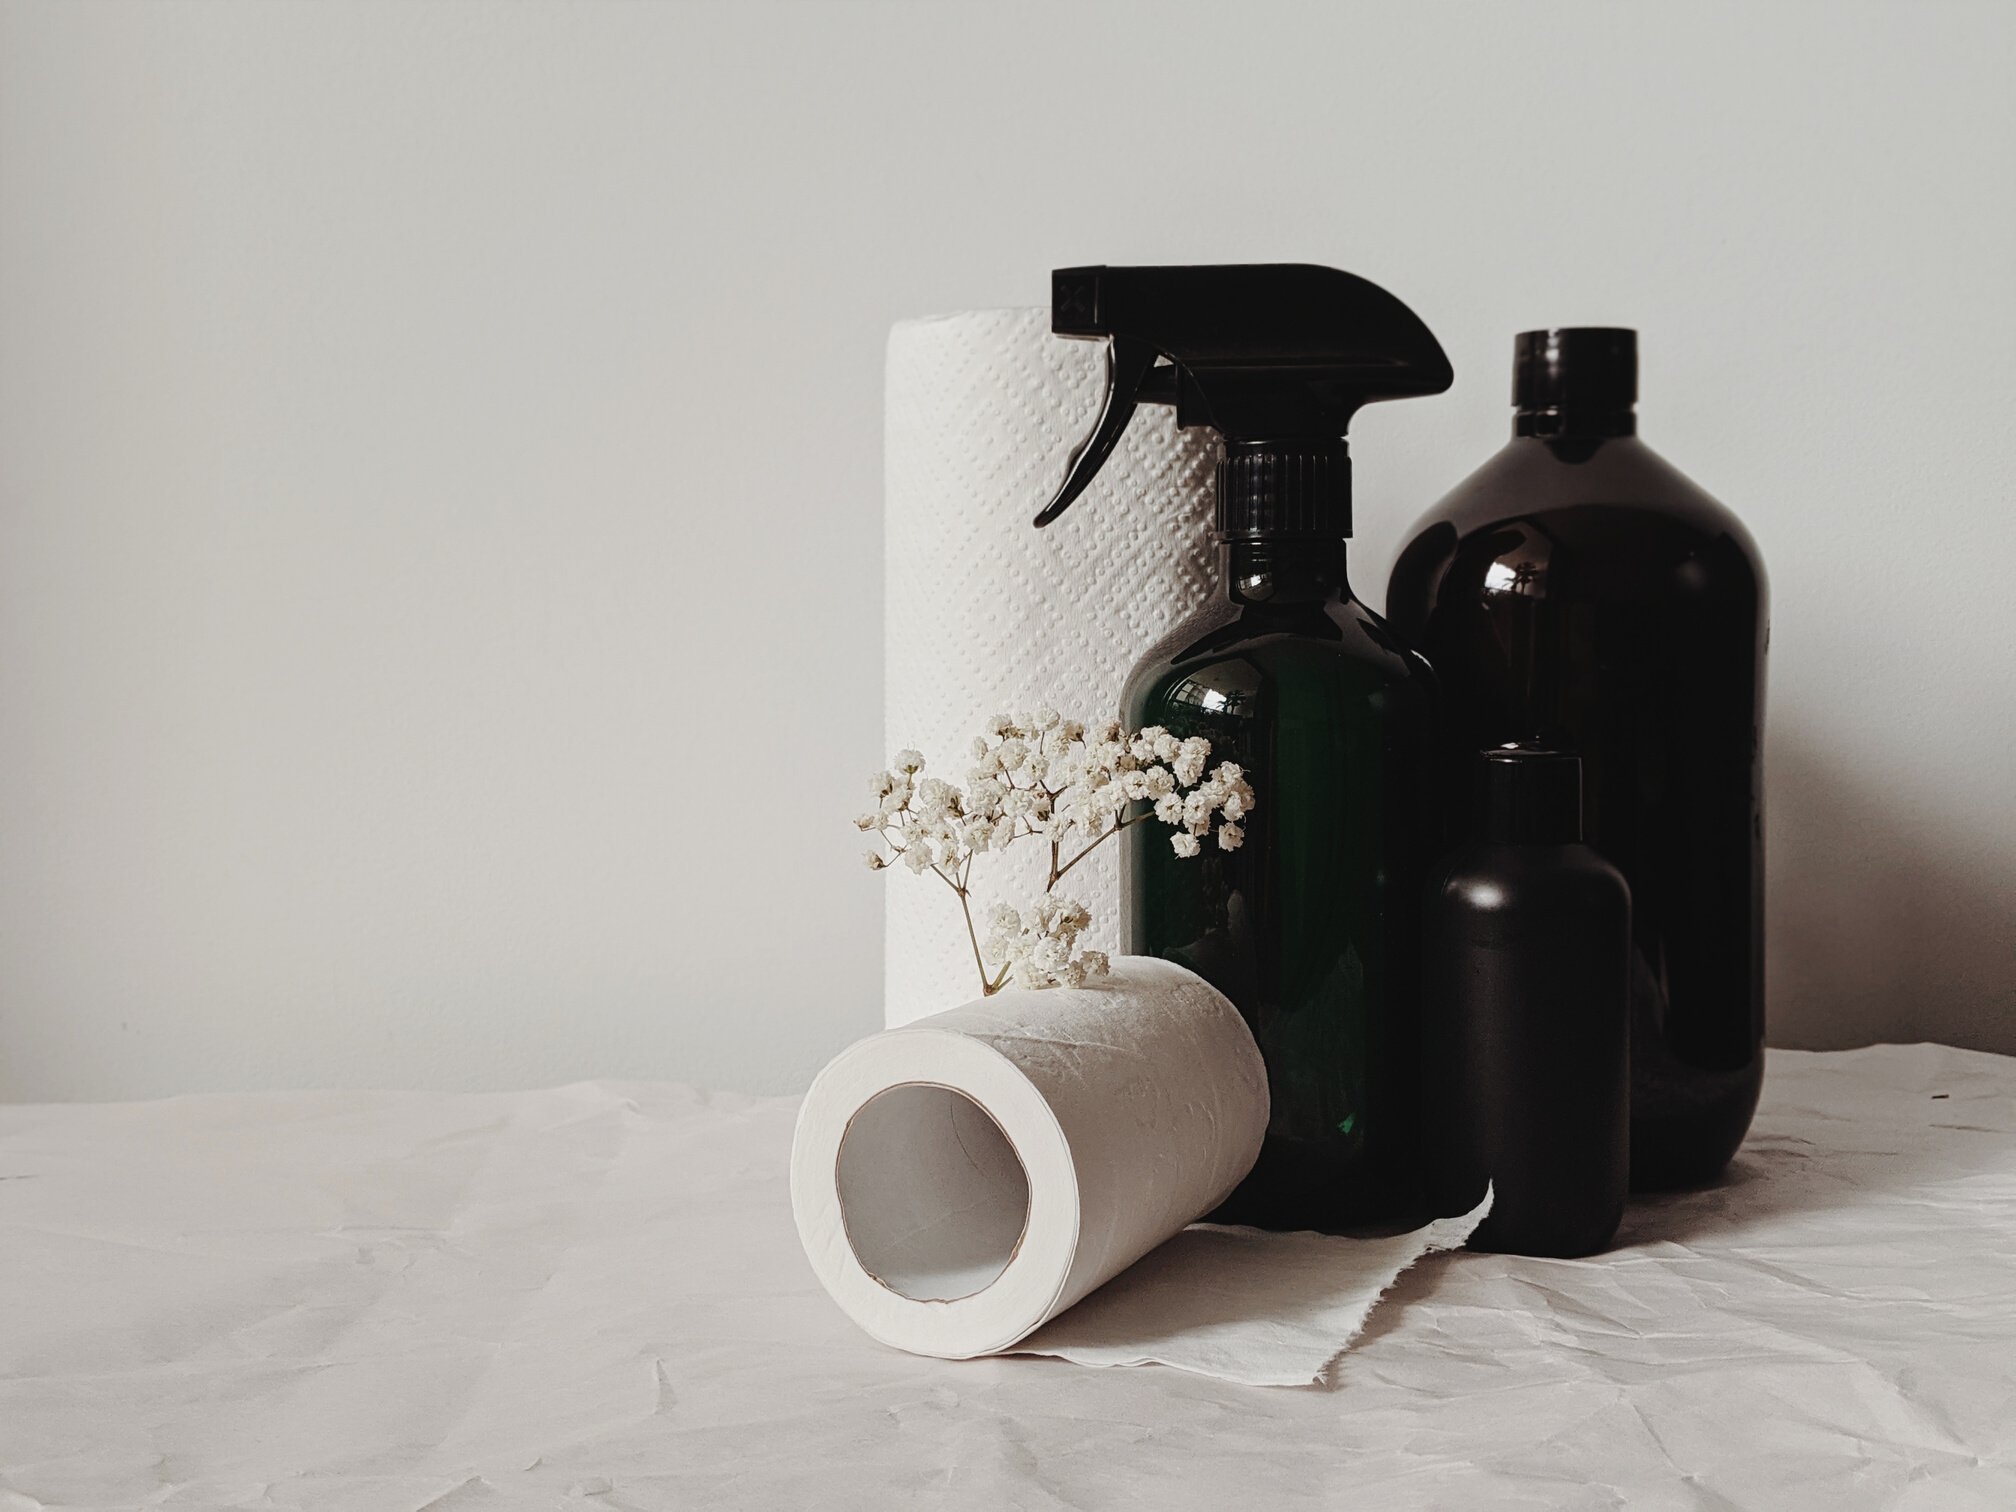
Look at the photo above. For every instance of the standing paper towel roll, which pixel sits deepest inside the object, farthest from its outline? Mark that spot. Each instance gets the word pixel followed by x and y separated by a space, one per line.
pixel 960 1181
pixel 986 614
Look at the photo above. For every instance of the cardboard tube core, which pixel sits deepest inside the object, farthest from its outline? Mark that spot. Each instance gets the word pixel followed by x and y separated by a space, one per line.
pixel 932 1192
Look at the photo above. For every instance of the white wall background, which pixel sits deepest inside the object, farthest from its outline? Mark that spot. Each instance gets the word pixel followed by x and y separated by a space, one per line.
pixel 439 468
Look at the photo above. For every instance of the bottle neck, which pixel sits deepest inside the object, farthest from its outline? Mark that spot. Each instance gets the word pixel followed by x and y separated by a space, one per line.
pixel 1530 796
pixel 1296 488
pixel 1575 421
pixel 1285 572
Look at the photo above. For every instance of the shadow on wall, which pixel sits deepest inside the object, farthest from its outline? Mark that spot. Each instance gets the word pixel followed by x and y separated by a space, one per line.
pixel 1882 928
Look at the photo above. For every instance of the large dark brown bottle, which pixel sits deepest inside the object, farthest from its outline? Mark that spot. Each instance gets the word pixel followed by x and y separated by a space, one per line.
pixel 1578 592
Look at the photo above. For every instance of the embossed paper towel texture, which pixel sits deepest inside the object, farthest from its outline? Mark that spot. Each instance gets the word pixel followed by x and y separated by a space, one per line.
pixel 986 614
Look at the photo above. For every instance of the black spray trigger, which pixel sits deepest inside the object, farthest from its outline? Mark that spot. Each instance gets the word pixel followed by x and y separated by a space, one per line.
pixel 1128 364
pixel 1275 357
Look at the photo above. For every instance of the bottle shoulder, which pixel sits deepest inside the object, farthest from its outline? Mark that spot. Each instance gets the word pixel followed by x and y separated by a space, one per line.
pixel 1228 645
pixel 1486 877
pixel 1596 489
pixel 1545 518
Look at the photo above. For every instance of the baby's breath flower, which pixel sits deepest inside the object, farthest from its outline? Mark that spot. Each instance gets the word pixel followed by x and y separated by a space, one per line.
pixel 935 799
pixel 1197 812
pixel 1040 948
pixel 1037 774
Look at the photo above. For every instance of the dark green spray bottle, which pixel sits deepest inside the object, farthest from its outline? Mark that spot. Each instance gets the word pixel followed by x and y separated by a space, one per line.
pixel 1311 925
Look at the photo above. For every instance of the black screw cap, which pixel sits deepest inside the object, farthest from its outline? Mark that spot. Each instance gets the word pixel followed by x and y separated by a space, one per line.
pixel 1587 368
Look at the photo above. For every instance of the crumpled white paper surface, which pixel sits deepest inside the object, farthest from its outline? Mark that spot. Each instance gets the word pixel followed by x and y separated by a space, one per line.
pixel 593 1298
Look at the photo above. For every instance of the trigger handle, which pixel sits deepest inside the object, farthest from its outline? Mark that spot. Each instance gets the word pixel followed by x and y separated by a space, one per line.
pixel 1128 365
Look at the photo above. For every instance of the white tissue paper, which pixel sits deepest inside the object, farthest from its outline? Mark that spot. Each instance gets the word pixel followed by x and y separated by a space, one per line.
pixel 1255 1308
pixel 988 615
pixel 959 1183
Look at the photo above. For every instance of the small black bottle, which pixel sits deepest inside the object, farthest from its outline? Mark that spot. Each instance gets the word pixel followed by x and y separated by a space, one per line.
pixel 1526 1017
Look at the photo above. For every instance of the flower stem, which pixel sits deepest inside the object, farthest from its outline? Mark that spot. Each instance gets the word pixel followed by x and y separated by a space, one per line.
pixel 987 988
pixel 1057 872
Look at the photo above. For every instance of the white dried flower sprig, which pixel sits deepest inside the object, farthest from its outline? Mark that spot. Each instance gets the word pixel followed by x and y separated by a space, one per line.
pixel 1041 949
pixel 1052 778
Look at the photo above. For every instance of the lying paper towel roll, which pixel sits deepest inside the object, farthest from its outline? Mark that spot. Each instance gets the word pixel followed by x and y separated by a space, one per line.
pixel 960 1181
pixel 988 615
